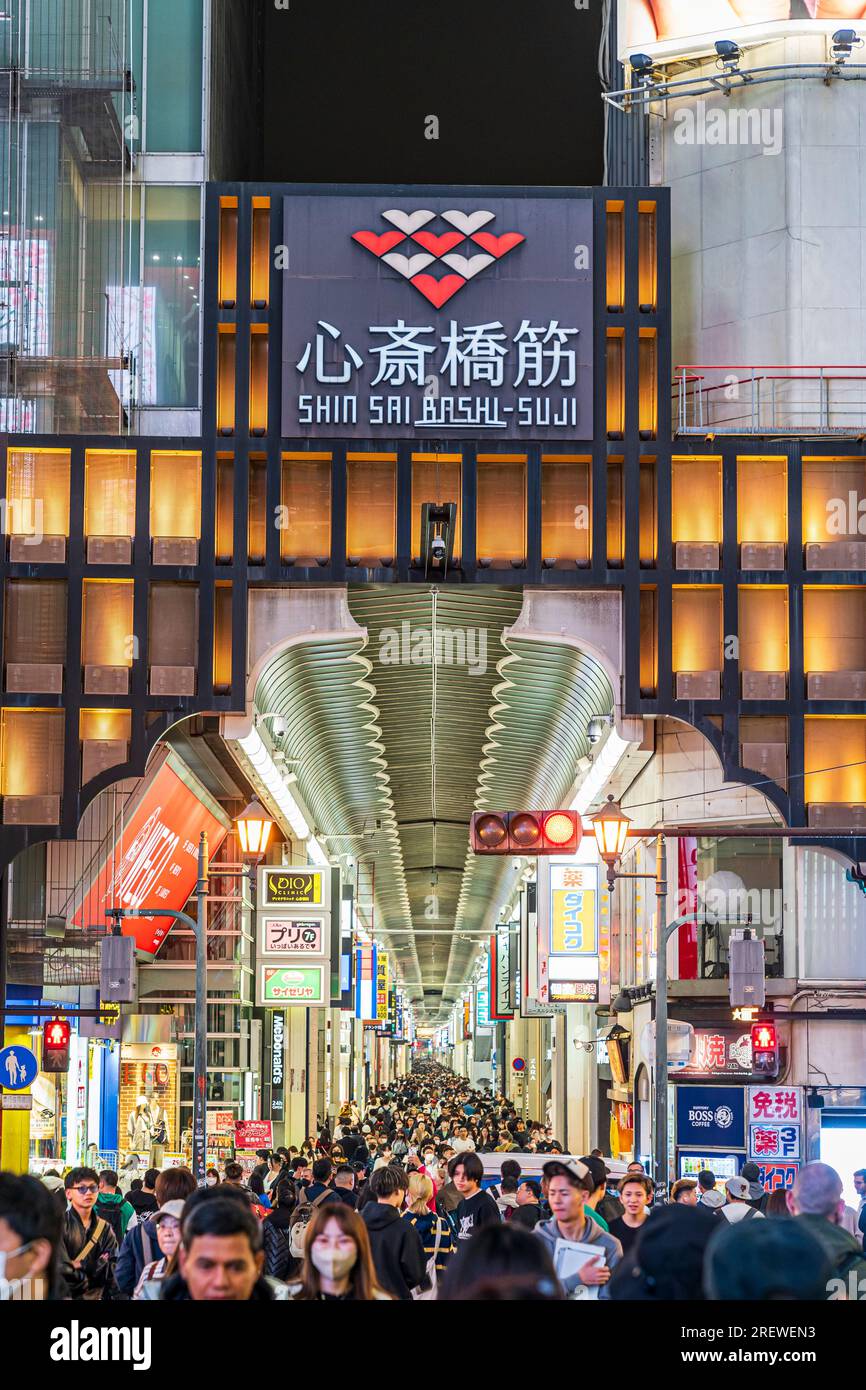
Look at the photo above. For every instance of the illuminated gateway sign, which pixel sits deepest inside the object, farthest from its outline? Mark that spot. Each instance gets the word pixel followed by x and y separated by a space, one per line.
pixel 437 315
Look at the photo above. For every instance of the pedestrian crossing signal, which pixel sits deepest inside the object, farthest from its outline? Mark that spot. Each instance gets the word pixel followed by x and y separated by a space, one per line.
pixel 56 1035
pixel 765 1049
pixel 525 832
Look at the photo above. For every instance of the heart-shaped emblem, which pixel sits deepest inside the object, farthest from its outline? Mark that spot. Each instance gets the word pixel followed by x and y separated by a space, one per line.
pixel 438 292
pixel 467 266
pixel 378 244
pixel 407 265
pixel 468 222
pixel 438 245
pixel 498 246
pixel 408 222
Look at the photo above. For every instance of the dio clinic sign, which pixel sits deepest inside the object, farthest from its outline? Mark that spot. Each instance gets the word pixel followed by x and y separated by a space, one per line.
pixel 426 315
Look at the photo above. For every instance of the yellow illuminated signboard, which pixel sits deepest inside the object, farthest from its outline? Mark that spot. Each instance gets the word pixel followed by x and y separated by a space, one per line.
pixel 573 910
pixel 292 887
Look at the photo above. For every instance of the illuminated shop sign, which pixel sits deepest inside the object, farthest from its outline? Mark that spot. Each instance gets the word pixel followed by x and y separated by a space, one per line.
pixel 430 314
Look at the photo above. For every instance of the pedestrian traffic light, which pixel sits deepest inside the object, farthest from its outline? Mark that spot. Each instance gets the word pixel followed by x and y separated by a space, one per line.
pixel 765 1049
pixel 525 832
pixel 55 1045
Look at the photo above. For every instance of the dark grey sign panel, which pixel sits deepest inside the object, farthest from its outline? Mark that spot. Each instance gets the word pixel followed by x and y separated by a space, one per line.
pixel 437 317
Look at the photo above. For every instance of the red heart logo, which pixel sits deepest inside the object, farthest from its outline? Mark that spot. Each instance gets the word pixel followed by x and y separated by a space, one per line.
pixel 379 245
pixel 438 245
pixel 498 245
pixel 438 291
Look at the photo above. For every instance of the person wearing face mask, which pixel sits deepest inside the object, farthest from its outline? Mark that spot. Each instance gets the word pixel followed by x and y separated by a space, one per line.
pixel 211 1177
pixel 338 1265
pixel 30 1235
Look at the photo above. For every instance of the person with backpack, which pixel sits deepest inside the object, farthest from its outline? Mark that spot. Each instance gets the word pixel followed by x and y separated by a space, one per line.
pixel 276 1230
pixel 112 1206
pixel 89 1246
pixel 434 1232
pixel 140 1245
pixel 738 1206
pixel 398 1255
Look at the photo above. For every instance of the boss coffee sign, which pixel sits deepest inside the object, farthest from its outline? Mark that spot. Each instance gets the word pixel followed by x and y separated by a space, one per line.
pixel 437 315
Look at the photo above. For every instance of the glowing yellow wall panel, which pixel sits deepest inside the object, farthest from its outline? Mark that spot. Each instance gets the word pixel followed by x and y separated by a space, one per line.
pixel 305 522
pixel 371 508
pixel 835 759
pixel 37 492
pixel 615 266
pixel 105 724
pixel 647 256
pixel 762 499
pixel 763 628
pixel 261 253
pixel 647 384
pixel 258 381
pixel 697 628
pixel 501 509
pixel 566 509
pixel 228 254
pixel 827 487
pixel 109 493
pixel 175 495
pixel 696 499
pixel 834 629
pixel 615 383
pixel 226 362
pixel 32 752
pixel 107 633
pixel 222 648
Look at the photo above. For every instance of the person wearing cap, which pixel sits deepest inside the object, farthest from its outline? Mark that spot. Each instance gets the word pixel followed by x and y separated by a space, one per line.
pixel 166 1222
pixel 757 1196
pixel 737 1207
pixel 569 1183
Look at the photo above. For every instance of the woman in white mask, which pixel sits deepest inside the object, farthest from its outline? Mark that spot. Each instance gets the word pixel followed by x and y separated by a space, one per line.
pixel 338 1265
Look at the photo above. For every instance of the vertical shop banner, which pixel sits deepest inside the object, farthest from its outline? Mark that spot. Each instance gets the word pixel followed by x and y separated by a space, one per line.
pixel 775 1123
pixel 687 906
pixel 365 983
pixel 382 983
pixel 500 977
pixel 277 1078
pixel 154 863
pixel 482 1008
pixel 573 943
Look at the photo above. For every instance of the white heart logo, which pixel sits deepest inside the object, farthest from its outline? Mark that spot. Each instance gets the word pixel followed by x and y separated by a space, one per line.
pixel 467 267
pixel 411 265
pixel 467 222
pixel 408 222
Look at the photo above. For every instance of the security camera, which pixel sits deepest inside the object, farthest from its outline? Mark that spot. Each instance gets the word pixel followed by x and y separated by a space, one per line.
pixel 595 729
pixel 279 727
pixel 437 549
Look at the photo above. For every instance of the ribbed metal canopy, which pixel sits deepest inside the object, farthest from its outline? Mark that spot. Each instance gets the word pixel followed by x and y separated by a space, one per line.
pixel 399 740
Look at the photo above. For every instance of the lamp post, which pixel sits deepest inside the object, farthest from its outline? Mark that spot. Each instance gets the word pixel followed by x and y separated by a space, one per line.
pixel 254 828
pixel 611 827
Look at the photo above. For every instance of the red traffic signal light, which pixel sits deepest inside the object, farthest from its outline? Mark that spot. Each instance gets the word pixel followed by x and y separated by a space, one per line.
pixel 525 832
pixel 56 1035
pixel 765 1049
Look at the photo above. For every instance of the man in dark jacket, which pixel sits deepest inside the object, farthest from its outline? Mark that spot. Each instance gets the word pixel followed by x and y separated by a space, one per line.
pixel 816 1202
pixel 320 1187
pixel 142 1198
pixel 112 1206
pixel 139 1246
pixel 398 1254
pixel 89 1247
pixel 344 1185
